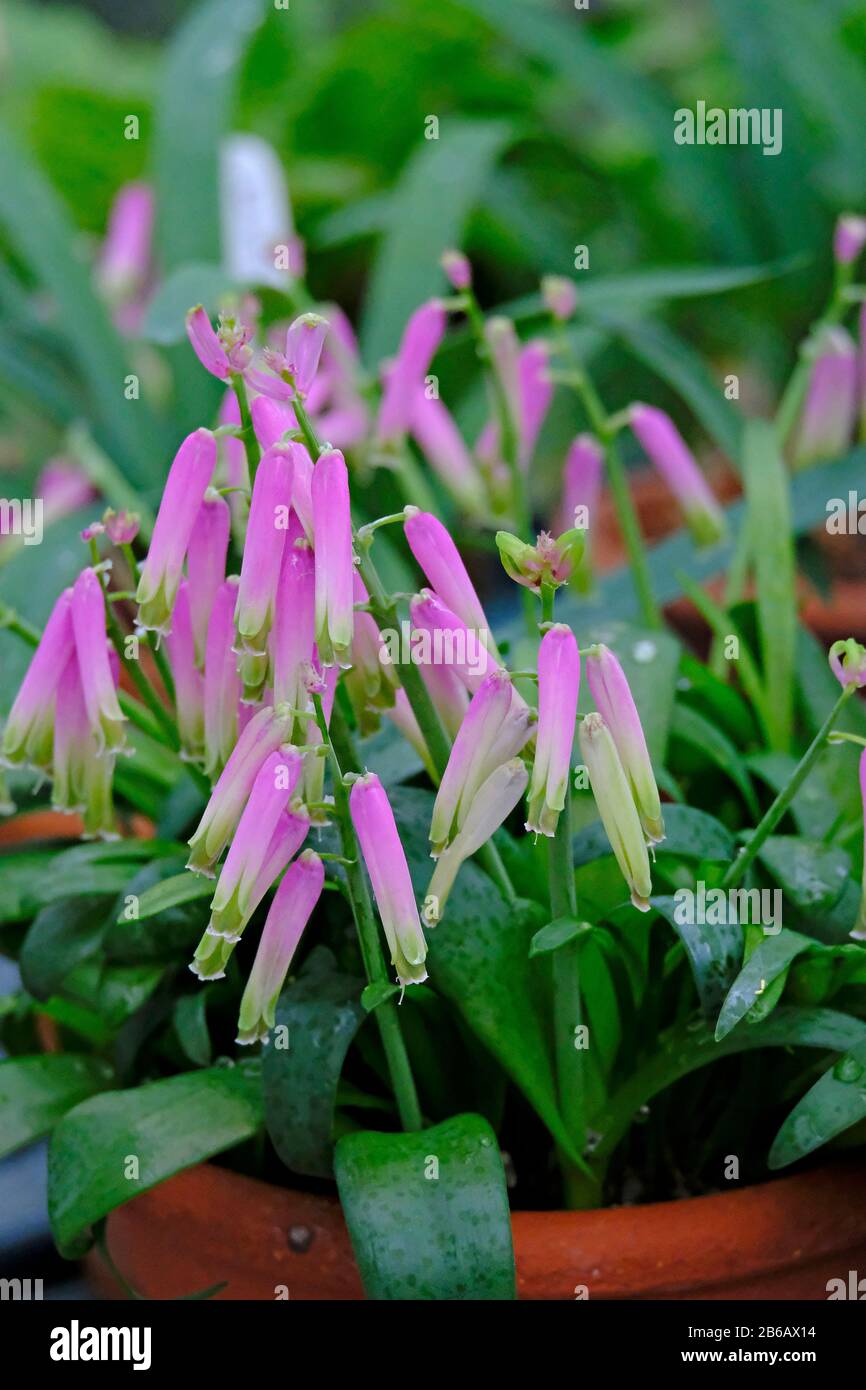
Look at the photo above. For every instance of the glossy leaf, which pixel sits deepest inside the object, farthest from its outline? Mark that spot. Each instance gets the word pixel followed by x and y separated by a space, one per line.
pixel 428 1212
pixel 714 952
pixel 164 1125
pixel 317 1017
pixel 835 1102
pixel 63 934
pixel 770 959
pixel 181 888
pixel 690 833
pixel 708 739
pixel 36 1091
pixel 557 934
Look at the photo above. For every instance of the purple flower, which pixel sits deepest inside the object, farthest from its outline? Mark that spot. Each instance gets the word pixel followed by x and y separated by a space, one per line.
pixel 559 296
pixel 81 776
pixel 441 639
pixel 270 512
pixel 615 704
pixel 289 914
pixel 494 729
pixel 188 679
pixel 371 684
pixel 494 801
pixel 206 563
pixel 658 435
pixel 222 684
pixel 121 527
pixel 293 634
pixel 386 864
pixel 558 686
pixel 332 527
pixel 536 393
pixel 185 487
pixel 581 484
pixel 616 807
pixel 829 412
pixel 225 352
pixel 848 662
pixel 421 338
pixel 295 369
pixel 91 646
pixel 29 731
pixel 271 420
pixel 849 238
pixel 124 262
pixel 457 269
pixel 264 733
pixel 440 561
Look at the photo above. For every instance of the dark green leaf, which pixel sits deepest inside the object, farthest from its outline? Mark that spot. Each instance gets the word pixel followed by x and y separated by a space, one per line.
pixel 813 878
pixel 428 1212
pixel 714 952
pixel 190 1024
pixel 317 1017
pixel 379 993
pixel 62 935
pixel 835 1102
pixel 36 1091
pixel 690 833
pixel 185 887
pixel 172 932
pixel 707 738
pixel 164 1126
pixel 557 934
pixel 770 959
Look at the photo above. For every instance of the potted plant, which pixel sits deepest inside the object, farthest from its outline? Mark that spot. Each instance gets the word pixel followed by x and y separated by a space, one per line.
pixel 537 939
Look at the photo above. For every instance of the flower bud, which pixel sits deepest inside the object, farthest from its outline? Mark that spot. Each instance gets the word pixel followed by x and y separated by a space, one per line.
pixel 659 437
pixel 185 487
pixel 559 296
pixel 616 807
pixel 289 914
pixel 81 776
pixel 829 413
pixel 421 338
pixel 558 687
pixel 441 563
pixel 848 662
pixel 97 680
pixel 849 238
pixel 334 559
pixel 616 705
pixel 386 864
pixel 494 801
pixel 457 269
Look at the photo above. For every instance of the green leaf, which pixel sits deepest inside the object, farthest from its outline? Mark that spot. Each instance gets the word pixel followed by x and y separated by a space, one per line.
pixel 186 887
pixel 322 1012
pixel 815 880
pixel 42 235
pixel 707 738
pixel 769 527
pixel 835 1102
pixel 164 1125
pixel 428 1212
pixel 165 320
pixel 192 115
pixel 190 1025
pixel 379 993
pixel 689 833
pixel 714 952
pixel 173 931
pixel 557 934
pixel 36 1091
pixel 434 195
pixel 770 959
pixel 814 809
pixel 63 934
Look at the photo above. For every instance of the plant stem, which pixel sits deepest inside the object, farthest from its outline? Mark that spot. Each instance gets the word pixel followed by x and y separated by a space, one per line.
pixel 775 813
pixel 376 970
pixel 248 434
pixel 566 983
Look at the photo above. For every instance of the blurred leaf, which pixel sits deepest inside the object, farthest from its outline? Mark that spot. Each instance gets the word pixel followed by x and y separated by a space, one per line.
pixel 36 1091
pixel 165 320
pixel 435 193
pixel 768 520
pixel 171 933
pixel 557 934
pixel 321 1012
pixel 814 808
pixel 421 1232
pixel 714 952
pixel 190 1024
pixel 835 1102
pixel 770 959
pixel 165 1125
pixel 42 235
pixel 706 738
pixel 63 934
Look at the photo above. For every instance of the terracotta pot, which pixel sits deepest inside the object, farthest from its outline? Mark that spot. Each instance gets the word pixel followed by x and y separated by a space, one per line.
pixel 783 1239
pixel 32 827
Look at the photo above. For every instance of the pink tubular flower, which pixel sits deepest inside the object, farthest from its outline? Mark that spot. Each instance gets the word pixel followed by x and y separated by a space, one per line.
pixel 441 638
pixel 829 412
pixel 495 799
pixel 185 487
pixel 457 268
pixel 849 238
pixel 214 950
pixel 271 420
pixel 386 864
pixel 493 731
pixel 440 561
pixel 332 526
pixel 581 484
pixel 448 693
pixel 295 369
pixel 615 704
pixel 536 393
pixel 293 633
pixel 265 732
pixel 371 683
pixel 274 783
pixel 440 441
pixel 188 679
pixel 848 662
pixel 206 563
pixel 82 778
pixel 558 686
pixel 29 731
pixel 422 336
pixel 124 262
pixel 121 527
pixel 222 685
pixel 91 646
pixel 616 807
pixel 289 914
pixel 63 489
pixel 222 353
pixel 559 296
pixel 263 549
pixel 659 437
